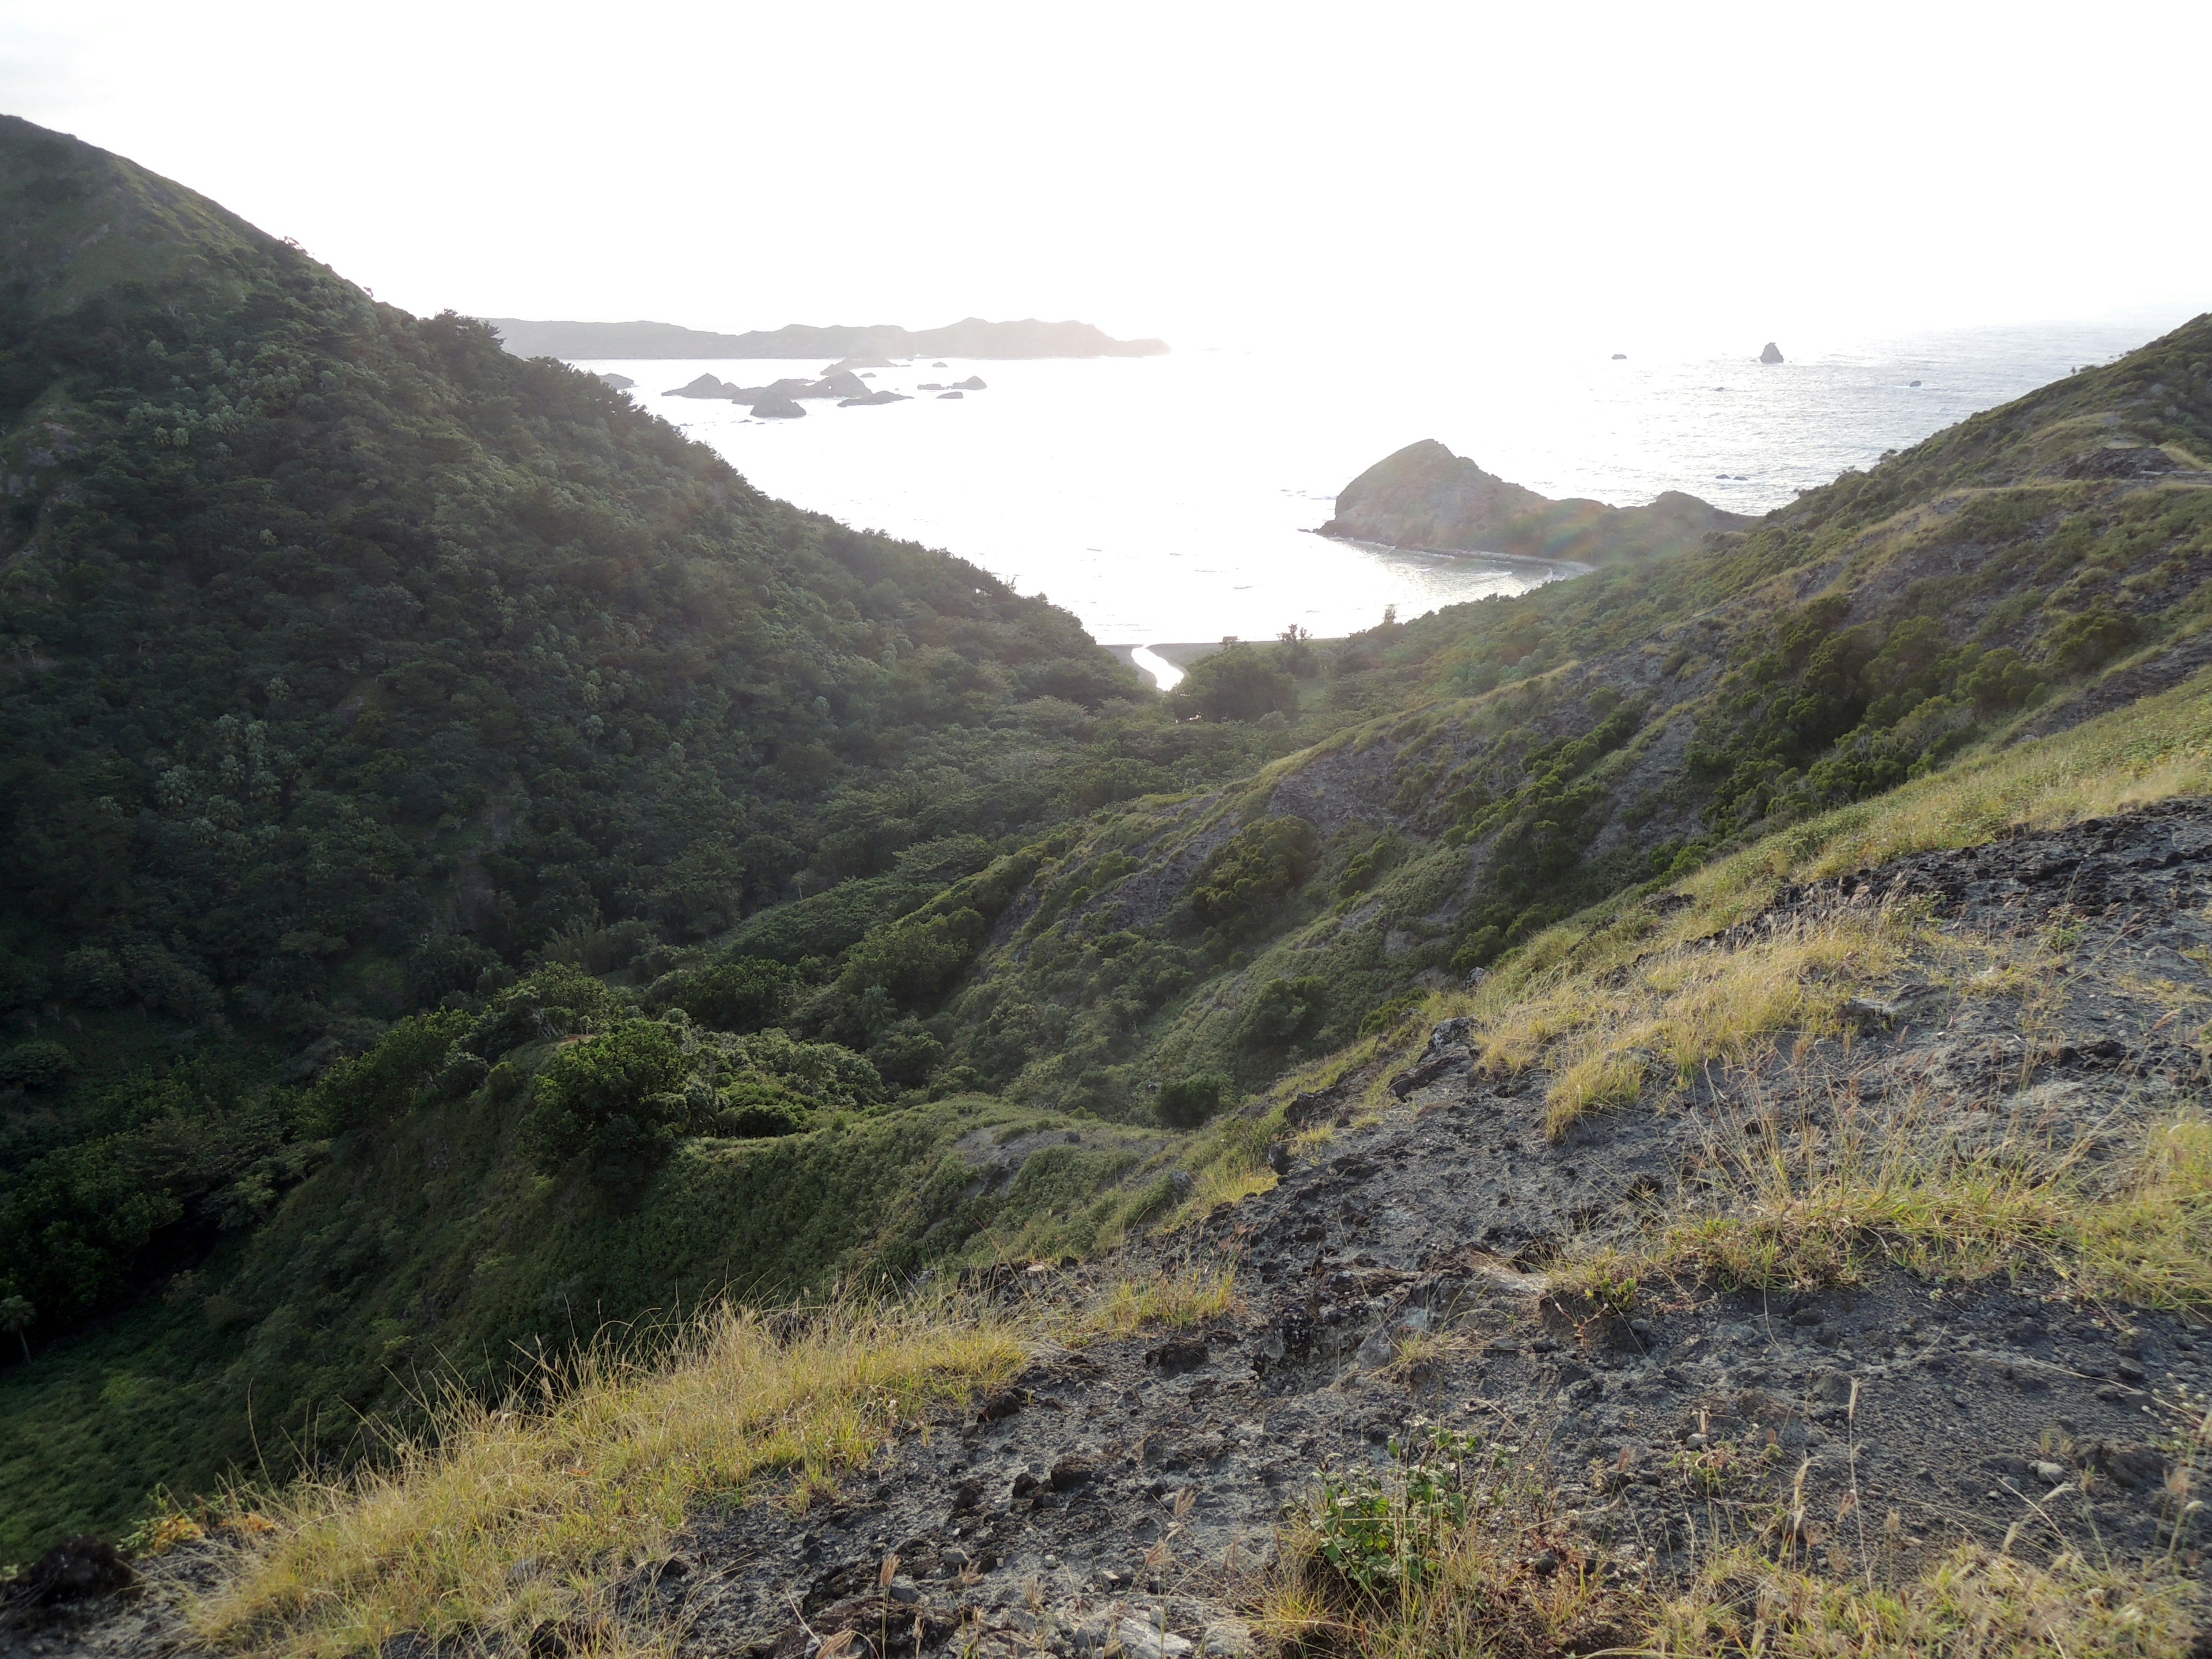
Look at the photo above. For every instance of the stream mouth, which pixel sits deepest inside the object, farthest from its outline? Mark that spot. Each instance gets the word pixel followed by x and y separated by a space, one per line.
pixel 1165 674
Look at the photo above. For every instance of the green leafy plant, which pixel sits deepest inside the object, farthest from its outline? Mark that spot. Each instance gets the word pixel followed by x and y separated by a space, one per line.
pixel 1385 1532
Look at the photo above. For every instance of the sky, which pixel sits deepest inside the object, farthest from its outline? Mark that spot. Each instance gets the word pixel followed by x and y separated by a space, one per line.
pixel 1462 174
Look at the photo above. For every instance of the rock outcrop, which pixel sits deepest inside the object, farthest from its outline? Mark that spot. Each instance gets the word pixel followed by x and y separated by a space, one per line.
pixel 777 409
pixel 623 383
pixel 842 384
pixel 1771 355
pixel 707 386
pixel 973 382
pixel 1426 497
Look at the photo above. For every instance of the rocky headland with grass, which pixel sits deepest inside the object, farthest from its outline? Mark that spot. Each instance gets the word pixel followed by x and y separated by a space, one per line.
pixel 1427 498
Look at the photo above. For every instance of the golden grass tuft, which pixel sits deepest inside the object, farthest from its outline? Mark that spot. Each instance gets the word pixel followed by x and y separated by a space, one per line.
pixel 1485 1596
pixel 1179 1298
pixel 1683 1003
pixel 2151 1242
pixel 1824 1211
pixel 518 1515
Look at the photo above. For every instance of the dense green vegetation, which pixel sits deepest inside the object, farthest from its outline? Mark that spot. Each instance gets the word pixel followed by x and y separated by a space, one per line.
pixel 476 870
pixel 353 665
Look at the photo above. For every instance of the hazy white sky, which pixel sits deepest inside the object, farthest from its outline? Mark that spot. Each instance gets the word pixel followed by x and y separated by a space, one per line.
pixel 1434 172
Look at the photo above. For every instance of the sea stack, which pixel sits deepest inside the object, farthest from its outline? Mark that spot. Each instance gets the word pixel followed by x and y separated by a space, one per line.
pixel 1771 355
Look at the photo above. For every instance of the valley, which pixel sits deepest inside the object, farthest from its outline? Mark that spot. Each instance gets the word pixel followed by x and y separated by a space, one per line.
pixel 504 921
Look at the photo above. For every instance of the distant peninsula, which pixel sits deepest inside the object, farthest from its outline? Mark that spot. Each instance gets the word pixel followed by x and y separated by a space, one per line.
pixel 973 337
pixel 1426 498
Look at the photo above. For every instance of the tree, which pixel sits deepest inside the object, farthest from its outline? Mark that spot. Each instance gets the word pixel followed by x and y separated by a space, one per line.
pixel 16 1313
pixel 1188 1101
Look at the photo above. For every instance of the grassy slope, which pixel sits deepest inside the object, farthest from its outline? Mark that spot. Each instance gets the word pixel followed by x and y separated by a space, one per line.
pixel 1636 720
pixel 429 1252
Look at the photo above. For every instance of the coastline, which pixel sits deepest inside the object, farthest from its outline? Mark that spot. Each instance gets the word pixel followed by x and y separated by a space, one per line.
pixel 1560 569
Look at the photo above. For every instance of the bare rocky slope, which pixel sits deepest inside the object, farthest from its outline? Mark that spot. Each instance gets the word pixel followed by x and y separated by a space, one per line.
pixel 1131 1490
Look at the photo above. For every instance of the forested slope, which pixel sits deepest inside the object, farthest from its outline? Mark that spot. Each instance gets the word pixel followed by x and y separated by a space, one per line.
pixel 476 869
pixel 352 667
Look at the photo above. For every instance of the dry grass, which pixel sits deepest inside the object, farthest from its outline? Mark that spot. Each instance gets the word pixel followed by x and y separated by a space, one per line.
pixel 1822 1207
pixel 2151 1243
pixel 1976 1604
pixel 1681 1004
pixel 530 1513
pixel 1510 1584
pixel 1180 1298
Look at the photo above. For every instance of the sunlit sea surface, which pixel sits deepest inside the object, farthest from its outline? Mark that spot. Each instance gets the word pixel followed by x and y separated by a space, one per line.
pixel 1168 499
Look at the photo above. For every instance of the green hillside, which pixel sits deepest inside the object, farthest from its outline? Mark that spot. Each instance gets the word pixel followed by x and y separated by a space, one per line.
pixel 1521 758
pixel 351 666
pixel 476 870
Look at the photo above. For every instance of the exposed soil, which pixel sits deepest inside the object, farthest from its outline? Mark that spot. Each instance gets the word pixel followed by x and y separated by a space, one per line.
pixel 1128 1492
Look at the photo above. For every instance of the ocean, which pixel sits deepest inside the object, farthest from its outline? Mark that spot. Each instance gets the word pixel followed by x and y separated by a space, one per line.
pixel 1172 499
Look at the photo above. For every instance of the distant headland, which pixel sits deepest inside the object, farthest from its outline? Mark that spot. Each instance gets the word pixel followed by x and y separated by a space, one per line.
pixel 1426 498
pixel 972 336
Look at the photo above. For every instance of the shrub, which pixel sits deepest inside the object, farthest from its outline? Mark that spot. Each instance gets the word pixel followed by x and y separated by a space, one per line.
pixel 94 976
pixel 1999 680
pixel 1235 683
pixel 1285 1011
pixel 557 1001
pixel 906 1054
pixel 2091 640
pixel 756 1109
pixel 1388 1015
pixel 742 994
pixel 1188 1101
pixel 610 1099
pixel 1253 870
pixel 916 959
pixel 39 1065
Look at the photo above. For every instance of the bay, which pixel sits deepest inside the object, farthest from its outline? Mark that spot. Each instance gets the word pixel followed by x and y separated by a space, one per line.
pixel 1172 499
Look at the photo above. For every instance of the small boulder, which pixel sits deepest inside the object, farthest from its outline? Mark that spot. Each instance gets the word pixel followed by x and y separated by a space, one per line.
pixel 1772 353
pixel 942 396
pixel 1141 1639
pixel 1620 356
pixel 75 1569
pixel 1176 1355
pixel 1070 1473
pixel 973 382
